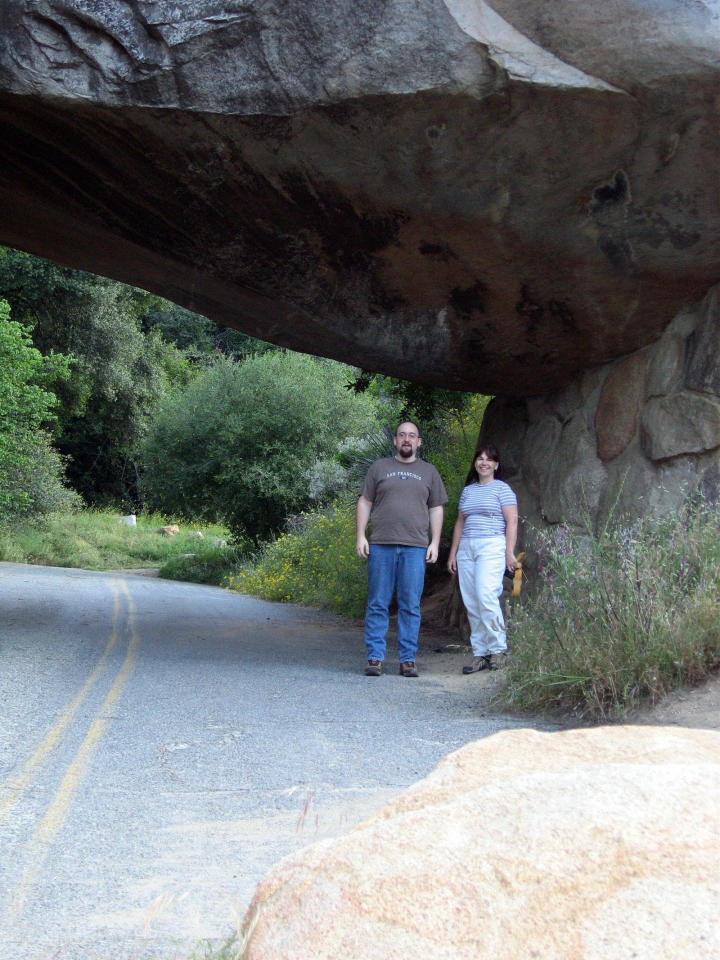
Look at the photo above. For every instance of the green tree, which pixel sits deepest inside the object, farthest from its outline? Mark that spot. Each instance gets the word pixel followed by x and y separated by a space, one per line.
pixel 414 401
pixel 199 336
pixel 237 443
pixel 118 375
pixel 31 472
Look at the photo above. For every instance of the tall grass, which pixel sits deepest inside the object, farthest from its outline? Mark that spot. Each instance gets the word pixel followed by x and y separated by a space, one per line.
pixel 95 540
pixel 314 564
pixel 620 616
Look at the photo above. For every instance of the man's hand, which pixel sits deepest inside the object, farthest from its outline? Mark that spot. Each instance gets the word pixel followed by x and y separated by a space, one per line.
pixel 436 522
pixel 362 548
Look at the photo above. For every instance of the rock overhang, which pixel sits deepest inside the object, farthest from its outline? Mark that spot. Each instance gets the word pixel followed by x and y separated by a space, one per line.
pixel 460 194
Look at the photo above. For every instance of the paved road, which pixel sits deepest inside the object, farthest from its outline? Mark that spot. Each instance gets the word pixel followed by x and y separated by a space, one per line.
pixel 162 744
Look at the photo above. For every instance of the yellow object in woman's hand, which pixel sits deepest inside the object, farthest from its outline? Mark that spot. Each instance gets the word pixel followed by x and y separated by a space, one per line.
pixel 517 576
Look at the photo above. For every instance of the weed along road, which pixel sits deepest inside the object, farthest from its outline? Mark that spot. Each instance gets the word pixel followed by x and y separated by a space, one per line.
pixel 162 744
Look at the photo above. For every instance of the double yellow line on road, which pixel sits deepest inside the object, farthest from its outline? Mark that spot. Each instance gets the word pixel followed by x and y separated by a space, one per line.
pixel 40 843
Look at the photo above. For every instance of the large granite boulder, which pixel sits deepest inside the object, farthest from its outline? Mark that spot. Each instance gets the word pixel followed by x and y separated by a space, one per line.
pixel 595 844
pixel 491 196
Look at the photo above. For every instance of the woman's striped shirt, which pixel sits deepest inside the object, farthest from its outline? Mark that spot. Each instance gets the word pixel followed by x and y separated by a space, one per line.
pixel 481 505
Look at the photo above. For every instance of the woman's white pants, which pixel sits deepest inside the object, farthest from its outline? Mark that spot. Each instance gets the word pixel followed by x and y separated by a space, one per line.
pixel 481 565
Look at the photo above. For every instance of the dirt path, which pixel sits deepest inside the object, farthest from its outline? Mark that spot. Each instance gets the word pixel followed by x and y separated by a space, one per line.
pixel 690 707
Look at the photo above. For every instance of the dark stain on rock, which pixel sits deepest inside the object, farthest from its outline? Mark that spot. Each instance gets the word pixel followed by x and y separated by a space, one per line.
pixel 532 314
pixel 613 194
pixel 476 352
pixel 684 239
pixel 617 251
pixel 465 301
pixel 437 251
pixel 349 239
pixel 343 114
pixel 559 310
pixel 678 225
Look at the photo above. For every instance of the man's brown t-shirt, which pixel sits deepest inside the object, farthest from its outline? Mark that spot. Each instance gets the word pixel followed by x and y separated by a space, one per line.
pixel 401 495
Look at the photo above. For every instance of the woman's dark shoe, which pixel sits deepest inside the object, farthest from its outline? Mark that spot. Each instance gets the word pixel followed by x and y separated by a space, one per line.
pixel 478 663
pixel 496 661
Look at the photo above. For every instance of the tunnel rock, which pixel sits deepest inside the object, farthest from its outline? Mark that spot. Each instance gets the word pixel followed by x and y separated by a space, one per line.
pixel 494 197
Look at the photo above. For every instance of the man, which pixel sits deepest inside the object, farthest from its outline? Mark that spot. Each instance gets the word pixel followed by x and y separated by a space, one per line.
pixel 403 496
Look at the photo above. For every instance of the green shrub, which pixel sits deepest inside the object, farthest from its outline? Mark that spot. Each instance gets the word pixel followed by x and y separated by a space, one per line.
pixel 619 617
pixel 117 374
pixel 315 565
pixel 31 471
pixel 236 445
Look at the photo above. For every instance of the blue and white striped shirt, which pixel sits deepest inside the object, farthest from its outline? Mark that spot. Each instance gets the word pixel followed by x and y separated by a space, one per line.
pixel 481 505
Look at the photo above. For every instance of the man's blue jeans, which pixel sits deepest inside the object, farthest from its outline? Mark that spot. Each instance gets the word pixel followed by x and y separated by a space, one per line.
pixel 394 568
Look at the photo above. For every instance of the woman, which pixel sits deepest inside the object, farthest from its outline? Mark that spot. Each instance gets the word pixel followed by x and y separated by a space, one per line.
pixel 483 547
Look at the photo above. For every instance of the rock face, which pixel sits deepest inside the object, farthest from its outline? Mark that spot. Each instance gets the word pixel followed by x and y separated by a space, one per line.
pixel 585 845
pixel 635 436
pixel 490 196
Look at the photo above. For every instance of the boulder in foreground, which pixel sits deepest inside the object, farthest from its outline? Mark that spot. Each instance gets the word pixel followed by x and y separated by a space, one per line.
pixel 598 844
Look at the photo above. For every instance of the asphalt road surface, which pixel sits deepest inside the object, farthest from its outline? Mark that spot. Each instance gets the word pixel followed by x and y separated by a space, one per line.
pixel 163 744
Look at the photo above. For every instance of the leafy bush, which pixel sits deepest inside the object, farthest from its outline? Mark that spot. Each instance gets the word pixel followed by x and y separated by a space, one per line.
pixel 315 565
pixel 117 375
pixel 620 616
pixel 326 480
pixel 31 471
pixel 236 445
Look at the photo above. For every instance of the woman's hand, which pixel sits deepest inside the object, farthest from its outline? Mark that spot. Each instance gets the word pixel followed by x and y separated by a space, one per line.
pixel 452 564
pixel 511 561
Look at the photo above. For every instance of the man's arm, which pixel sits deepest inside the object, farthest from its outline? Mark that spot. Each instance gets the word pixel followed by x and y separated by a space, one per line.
pixel 362 515
pixel 436 522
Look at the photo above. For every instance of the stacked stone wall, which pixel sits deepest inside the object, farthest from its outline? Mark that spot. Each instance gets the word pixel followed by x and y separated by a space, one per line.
pixel 628 438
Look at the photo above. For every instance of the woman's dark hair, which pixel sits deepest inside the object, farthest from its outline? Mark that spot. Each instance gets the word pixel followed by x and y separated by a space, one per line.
pixel 490 451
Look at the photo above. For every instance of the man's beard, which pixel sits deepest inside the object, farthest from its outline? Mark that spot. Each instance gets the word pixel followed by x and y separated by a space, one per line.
pixel 403 455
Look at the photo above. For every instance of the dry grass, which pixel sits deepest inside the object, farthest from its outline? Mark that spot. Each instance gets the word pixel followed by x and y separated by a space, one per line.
pixel 620 617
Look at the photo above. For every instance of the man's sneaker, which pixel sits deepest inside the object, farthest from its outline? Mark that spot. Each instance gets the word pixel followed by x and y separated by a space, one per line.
pixel 478 663
pixel 407 669
pixel 373 668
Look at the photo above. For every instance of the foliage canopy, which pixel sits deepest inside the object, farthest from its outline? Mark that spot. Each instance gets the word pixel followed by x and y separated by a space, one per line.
pixel 118 374
pixel 237 443
pixel 31 472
